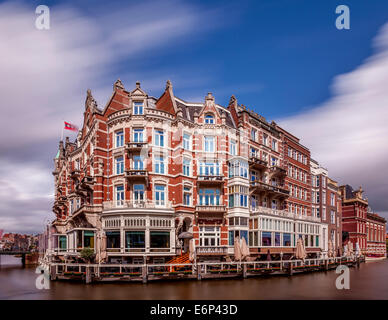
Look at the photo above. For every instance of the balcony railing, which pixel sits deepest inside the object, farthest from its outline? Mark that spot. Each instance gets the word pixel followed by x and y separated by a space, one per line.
pixel 257 162
pixel 210 208
pixel 136 174
pixel 210 179
pixel 75 174
pixel 136 146
pixel 136 204
pixel 261 186
pixel 276 170
pixel 211 250
pixel 277 212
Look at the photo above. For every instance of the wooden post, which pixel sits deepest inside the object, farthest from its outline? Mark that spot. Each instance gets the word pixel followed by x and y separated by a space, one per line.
pixel 144 274
pixel 88 278
pixel 244 271
pixel 53 275
pixel 199 276
pixel 290 269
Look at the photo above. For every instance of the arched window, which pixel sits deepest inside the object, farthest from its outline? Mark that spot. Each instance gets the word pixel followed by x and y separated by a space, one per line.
pixel 209 118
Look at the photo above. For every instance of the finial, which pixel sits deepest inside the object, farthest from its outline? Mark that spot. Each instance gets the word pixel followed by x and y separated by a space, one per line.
pixel 118 84
pixel 168 84
pixel 137 84
pixel 209 96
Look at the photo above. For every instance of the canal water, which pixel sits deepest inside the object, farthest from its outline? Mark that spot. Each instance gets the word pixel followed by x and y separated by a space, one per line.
pixel 370 281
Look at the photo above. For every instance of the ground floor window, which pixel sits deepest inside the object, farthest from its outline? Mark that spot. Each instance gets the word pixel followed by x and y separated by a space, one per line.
pixel 113 239
pixel 231 238
pixel 89 239
pixel 79 239
pixel 62 243
pixel 286 240
pixel 266 239
pixel 160 239
pixel 244 234
pixel 277 239
pixel 134 239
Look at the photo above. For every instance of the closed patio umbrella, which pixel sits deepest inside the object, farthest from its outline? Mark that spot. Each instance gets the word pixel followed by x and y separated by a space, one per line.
pixel 244 249
pixel 358 250
pixel 101 247
pixel 346 250
pixel 192 250
pixel 237 250
pixel 300 250
pixel 350 245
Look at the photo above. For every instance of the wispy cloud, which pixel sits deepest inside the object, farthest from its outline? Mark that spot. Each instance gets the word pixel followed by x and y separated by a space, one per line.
pixel 348 134
pixel 45 74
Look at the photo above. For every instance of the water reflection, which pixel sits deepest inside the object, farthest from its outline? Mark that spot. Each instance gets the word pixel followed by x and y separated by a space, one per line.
pixel 370 281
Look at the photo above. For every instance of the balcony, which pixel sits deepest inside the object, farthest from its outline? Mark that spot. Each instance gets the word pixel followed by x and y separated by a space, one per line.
pixel 205 251
pixel 259 186
pixel 278 171
pixel 280 191
pixel 257 163
pixel 137 175
pixel 136 146
pixel 210 208
pixel 210 180
pixel 136 204
pixel 75 174
pixel 271 211
pixel 210 212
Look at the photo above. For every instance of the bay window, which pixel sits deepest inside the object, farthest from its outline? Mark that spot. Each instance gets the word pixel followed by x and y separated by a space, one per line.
pixel 238 196
pixel 209 197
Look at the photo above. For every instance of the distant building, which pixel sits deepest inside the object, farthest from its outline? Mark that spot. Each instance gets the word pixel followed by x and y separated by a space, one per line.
pixel 376 230
pixel 365 228
pixel 326 204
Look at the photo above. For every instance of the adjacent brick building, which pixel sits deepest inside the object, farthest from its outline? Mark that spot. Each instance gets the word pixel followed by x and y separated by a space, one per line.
pixel 326 204
pixel 364 227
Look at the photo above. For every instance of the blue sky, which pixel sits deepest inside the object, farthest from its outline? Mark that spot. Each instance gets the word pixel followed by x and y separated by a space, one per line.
pixel 283 59
pixel 279 57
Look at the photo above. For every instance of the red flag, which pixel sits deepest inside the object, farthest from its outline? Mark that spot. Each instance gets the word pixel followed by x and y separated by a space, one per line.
pixel 69 126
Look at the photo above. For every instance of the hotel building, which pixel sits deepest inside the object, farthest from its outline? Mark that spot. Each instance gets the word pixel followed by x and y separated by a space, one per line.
pixel 145 175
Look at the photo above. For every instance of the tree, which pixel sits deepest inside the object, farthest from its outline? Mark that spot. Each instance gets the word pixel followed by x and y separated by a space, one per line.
pixel 87 254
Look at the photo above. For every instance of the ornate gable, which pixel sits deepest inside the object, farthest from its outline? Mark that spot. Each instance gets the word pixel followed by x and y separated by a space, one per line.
pixel 208 109
pixel 167 102
pixel 119 99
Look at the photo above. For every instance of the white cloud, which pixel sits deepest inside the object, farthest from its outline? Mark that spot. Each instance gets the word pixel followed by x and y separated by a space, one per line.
pixel 348 134
pixel 45 74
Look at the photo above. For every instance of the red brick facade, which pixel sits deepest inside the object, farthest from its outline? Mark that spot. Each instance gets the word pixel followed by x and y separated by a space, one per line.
pixel 145 175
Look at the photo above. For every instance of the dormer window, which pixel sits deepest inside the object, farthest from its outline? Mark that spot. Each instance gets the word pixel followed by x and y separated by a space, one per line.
pixel 209 119
pixel 138 107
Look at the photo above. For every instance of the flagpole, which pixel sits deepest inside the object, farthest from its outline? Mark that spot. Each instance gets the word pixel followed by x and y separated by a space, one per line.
pixel 63 121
